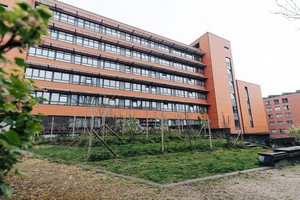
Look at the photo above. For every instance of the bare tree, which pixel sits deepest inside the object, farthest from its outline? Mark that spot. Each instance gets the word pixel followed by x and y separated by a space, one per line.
pixel 289 9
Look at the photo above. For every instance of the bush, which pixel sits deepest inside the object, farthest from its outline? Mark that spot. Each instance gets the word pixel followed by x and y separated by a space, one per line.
pixel 19 28
pixel 294 131
pixel 100 156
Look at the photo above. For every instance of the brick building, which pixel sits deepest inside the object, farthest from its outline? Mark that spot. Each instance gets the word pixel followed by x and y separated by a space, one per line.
pixel 282 111
pixel 88 60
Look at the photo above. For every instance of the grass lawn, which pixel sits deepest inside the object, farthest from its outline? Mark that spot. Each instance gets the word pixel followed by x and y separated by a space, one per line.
pixel 163 168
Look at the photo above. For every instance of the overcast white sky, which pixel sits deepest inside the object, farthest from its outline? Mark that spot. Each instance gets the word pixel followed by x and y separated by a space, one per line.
pixel 265 46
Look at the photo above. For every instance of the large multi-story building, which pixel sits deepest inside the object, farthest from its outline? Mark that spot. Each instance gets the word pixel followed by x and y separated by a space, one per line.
pixel 89 63
pixel 282 111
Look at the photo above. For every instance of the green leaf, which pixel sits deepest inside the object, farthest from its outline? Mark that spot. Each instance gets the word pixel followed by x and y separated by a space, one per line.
pixel 24 5
pixel 3 143
pixel 10 107
pixel 5 189
pixel 12 137
pixel 2 9
pixel 44 12
pixel 32 102
pixel 20 62
pixel 19 172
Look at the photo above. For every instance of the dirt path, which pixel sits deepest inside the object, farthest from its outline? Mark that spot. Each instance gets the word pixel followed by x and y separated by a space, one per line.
pixel 48 180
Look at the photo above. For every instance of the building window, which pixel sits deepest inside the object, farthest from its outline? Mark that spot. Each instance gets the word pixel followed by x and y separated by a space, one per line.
pixel 276 101
pixel 282 131
pixel 289 122
pixel 269 109
pixel 270 116
pixel 285 100
pixel 280 123
pixel 249 107
pixel 288 115
pixel 57 98
pixel 233 96
pixel 272 123
pixel 119 34
pixel 61 77
pixel 279 115
pixel 267 103
pixel 273 131
pixel 136 87
pixel 277 108
pixel 286 107
pixel 197 45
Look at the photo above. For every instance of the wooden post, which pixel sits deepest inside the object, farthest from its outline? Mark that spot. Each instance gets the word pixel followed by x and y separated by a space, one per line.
pixel 209 131
pixel 123 126
pixel 147 127
pixel 84 125
pixel 52 127
pixel 110 149
pixel 155 121
pixel 162 132
pixel 91 132
pixel 73 132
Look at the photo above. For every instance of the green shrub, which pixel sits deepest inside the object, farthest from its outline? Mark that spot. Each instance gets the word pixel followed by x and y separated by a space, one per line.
pixel 100 156
pixel 20 27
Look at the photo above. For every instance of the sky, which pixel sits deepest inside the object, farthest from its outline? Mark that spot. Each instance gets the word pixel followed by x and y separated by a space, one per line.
pixel 265 46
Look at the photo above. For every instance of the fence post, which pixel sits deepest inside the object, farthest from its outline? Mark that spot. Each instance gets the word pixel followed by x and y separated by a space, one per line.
pixel 52 126
pixel 147 128
pixel 162 132
pixel 73 133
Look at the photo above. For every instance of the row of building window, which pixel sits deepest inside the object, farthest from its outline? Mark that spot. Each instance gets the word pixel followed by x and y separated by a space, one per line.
pixel 276 101
pixel 277 108
pixel 97 63
pixel 281 123
pixel 39 74
pixel 86 42
pixel 279 115
pixel 233 96
pixel 75 21
pixel 249 107
pixel 81 122
pixel 83 100
pixel 275 131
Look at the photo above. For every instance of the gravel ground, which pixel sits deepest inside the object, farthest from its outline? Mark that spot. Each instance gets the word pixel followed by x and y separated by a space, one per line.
pixel 48 180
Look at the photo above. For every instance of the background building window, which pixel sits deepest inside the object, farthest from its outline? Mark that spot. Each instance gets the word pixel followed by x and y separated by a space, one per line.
pixel 285 100
pixel 276 101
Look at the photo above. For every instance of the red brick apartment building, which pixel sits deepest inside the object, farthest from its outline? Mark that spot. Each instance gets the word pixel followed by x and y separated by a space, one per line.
pixel 282 111
pixel 88 59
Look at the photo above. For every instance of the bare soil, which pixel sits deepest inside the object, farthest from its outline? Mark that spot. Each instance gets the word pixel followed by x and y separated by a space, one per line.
pixel 48 180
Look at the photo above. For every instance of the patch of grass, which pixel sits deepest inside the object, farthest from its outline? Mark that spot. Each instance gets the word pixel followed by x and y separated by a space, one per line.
pixel 139 149
pixel 164 168
pixel 65 154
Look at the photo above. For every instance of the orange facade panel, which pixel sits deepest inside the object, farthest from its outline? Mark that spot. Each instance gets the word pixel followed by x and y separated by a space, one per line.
pixel 251 107
pixel 216 51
